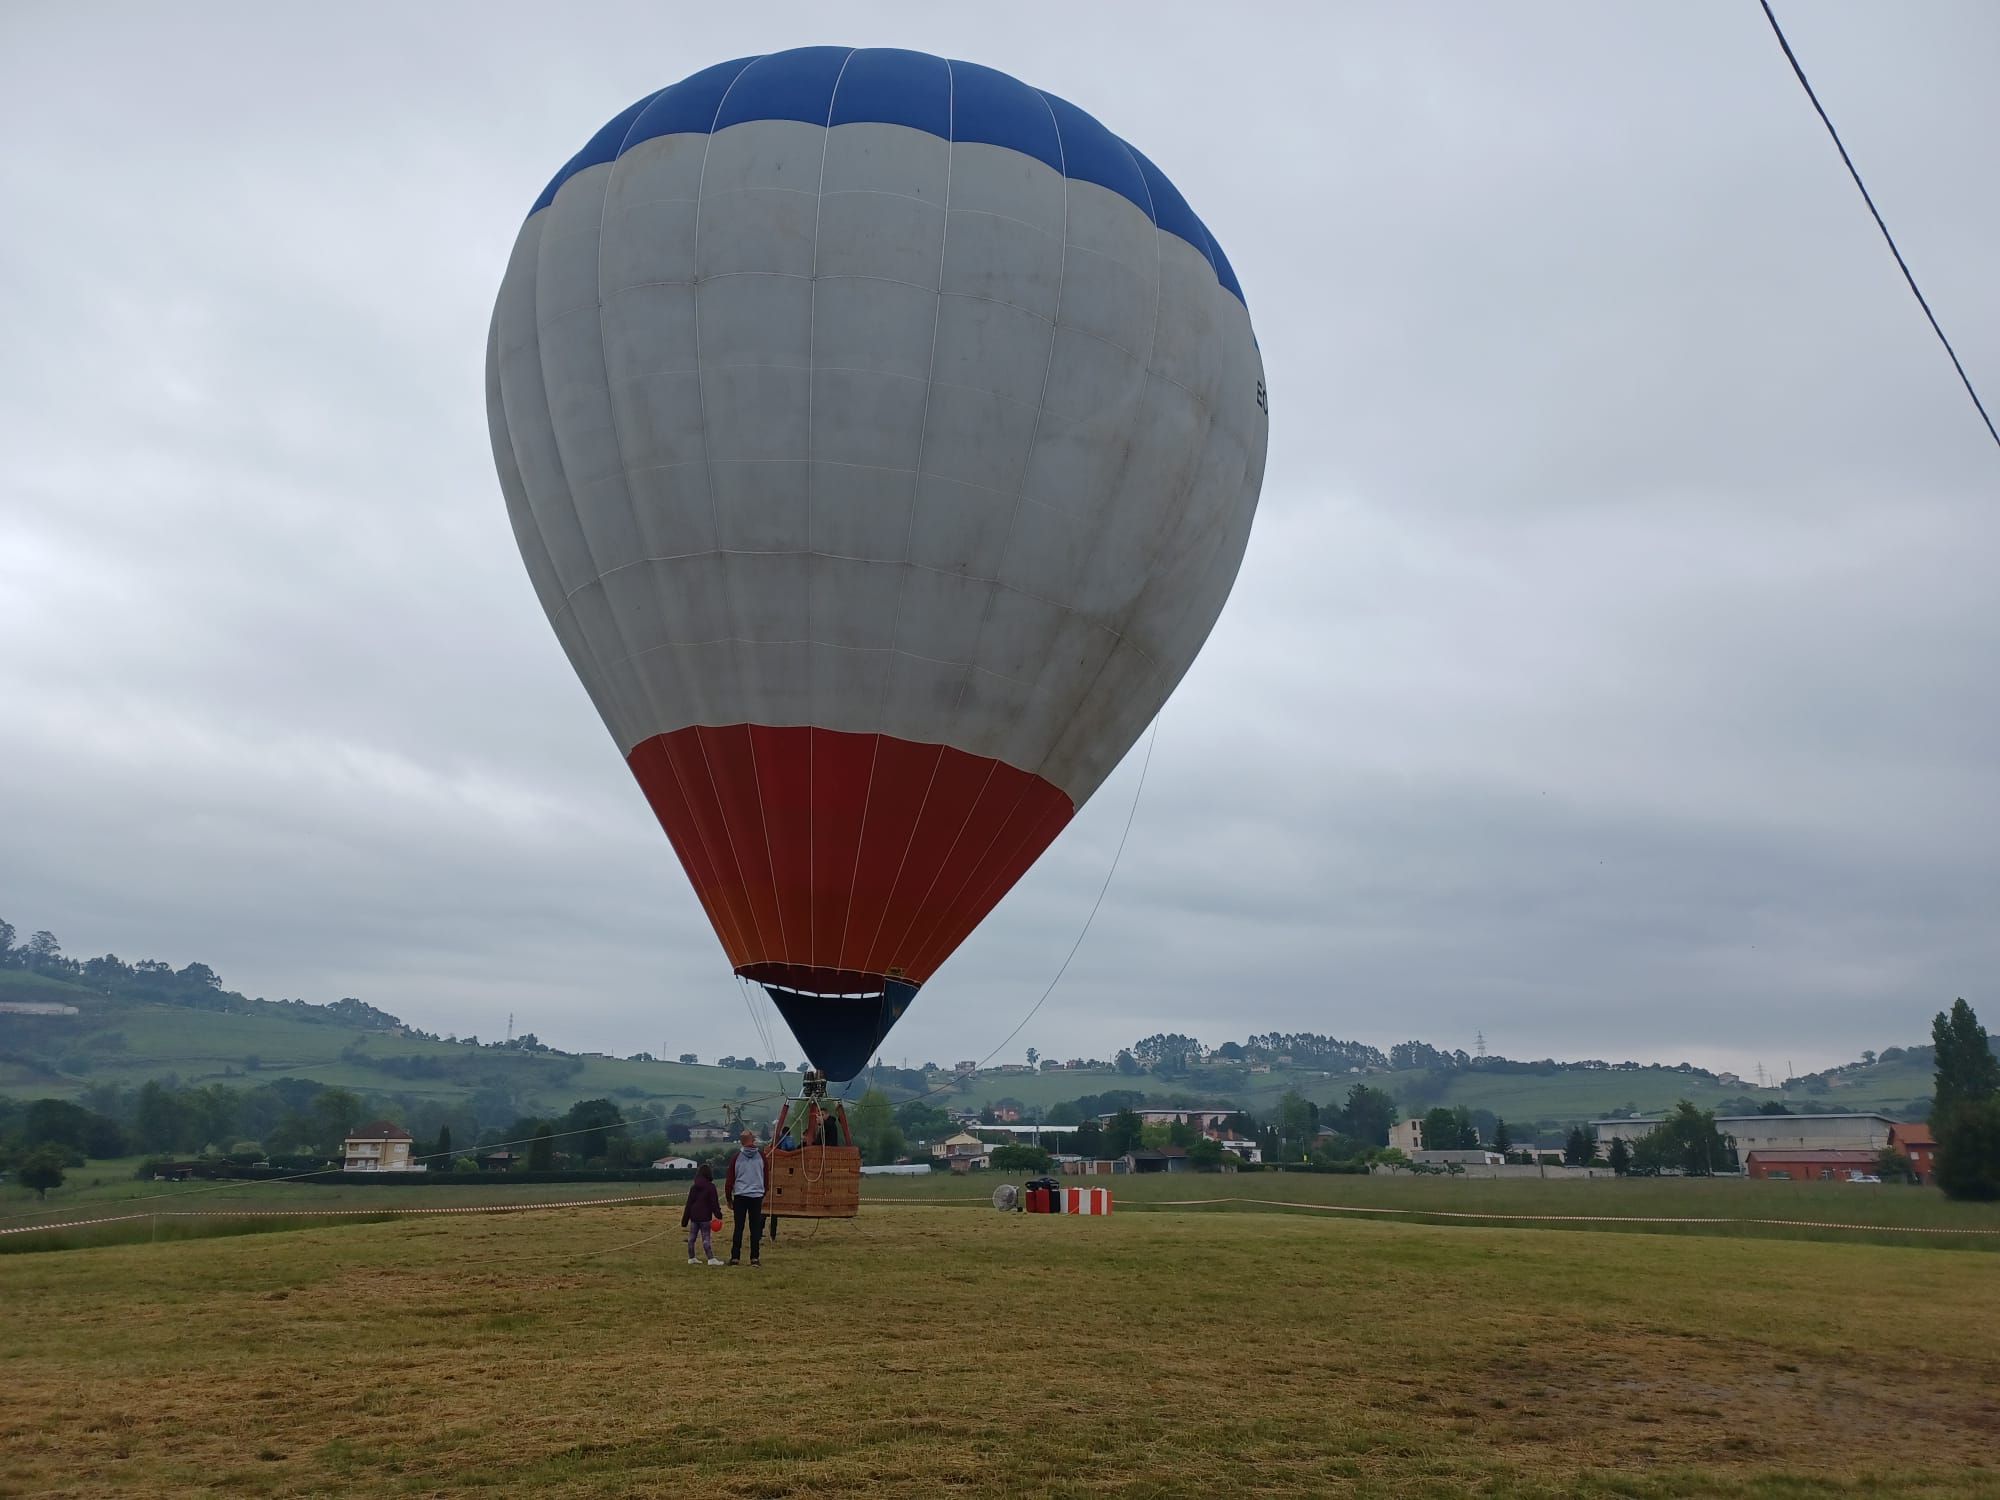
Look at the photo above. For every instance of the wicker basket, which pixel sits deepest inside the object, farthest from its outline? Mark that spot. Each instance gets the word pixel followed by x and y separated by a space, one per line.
pixel 815 1182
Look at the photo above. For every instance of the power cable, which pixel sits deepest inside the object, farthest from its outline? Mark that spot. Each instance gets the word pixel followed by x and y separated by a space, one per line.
pixel 1852 171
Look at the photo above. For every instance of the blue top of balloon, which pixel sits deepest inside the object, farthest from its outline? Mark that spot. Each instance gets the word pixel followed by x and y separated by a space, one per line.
pixel 957 101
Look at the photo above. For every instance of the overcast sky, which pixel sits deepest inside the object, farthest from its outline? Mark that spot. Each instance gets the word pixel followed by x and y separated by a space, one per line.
pixel 1612 669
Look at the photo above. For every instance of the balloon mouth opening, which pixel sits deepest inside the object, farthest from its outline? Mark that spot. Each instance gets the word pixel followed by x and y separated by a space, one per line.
pixel 839 1016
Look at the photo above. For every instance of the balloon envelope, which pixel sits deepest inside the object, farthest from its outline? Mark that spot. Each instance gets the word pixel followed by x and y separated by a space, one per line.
pixel 882 438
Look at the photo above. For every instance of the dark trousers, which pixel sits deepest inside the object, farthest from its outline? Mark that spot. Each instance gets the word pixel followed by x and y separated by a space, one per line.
pixel 753 1210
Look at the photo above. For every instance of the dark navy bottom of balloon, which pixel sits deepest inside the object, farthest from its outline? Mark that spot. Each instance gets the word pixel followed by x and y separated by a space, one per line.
pixel 839 1020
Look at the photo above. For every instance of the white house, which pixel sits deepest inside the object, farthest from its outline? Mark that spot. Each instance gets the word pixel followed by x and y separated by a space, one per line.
pixel 674 1164
pixel 378 1147
pixel 1407 1136
pixel 1238 1147
pixel 961 1152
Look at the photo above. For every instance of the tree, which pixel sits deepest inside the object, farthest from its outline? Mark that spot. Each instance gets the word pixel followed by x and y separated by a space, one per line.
pixel 1621 1156
pixel 1206 1154
pixel 6 943
pixel 1968 1152
pixel 443 1148
pixel 1965 1112
pixel 55 1121
pixel 1772 1107
pixel 1502 1136
pixel 1033 1056
pixel 590 1125
pixel 1367 1115
pixel 541 1150
pixel 335 1113
pixel 159 1122
pixel 921 1121
pixel 1966 1069
pixel 1892 1166
pixel 1686 1140
pixel 1335 1147
pixel 42 1169
pixel 1126 1063
pixel 1449 1130
pixel 875 1130
pixel 1088 1140
pixel 689 1057
pixel 59 1122
pixel 1020 1158
pixel 1122 1133
pixel 43 950
pixel 1298 1122
pixel 1579 1147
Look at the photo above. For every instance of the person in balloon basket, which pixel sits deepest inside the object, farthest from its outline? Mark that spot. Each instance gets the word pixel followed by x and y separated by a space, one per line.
pixel 784 1143
pixel 744 1188
pixel 701 1214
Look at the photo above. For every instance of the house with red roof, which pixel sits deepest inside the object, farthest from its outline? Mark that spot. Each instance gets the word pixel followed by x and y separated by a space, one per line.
pixel 378 1146
pixel 1919 1148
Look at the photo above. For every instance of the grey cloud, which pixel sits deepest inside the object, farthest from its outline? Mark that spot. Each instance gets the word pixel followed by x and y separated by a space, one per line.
pixel 1609 671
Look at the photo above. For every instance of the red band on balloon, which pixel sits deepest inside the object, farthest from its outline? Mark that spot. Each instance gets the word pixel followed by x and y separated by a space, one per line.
pixel 858 853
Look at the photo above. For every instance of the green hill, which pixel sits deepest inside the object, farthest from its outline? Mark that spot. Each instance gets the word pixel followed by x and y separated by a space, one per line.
pixel 1557 1098
pixel 123 1025
pixel 124 1041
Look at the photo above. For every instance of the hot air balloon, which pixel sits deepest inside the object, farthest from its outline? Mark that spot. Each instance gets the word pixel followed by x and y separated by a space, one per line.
pixel 882 437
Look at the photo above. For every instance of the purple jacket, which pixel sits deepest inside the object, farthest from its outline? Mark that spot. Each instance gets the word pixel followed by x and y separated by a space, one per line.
pixel 703 1206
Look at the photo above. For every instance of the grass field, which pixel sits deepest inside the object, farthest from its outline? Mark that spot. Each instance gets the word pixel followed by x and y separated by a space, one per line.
pixel 1890 1214
pixel 939 1347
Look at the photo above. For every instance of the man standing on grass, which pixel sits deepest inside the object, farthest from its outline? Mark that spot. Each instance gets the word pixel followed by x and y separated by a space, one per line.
pixel 744 1188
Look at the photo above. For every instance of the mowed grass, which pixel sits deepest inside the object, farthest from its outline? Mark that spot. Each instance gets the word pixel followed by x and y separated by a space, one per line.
pixel 112 1186
pixel 1887 1213
pixel 926 1349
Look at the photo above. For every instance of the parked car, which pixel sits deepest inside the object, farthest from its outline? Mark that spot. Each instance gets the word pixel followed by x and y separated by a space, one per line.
pixel 1862 1177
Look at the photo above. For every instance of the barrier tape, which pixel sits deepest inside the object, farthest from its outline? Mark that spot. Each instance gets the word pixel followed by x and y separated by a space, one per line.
pixel 1456 1213
pixel 1330 1208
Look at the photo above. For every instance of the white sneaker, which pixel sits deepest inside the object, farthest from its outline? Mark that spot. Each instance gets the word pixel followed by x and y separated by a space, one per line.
pixel 694 1260
pixel 711 1260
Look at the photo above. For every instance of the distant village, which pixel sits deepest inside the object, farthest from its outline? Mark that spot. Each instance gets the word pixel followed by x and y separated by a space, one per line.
pixel 1843 1147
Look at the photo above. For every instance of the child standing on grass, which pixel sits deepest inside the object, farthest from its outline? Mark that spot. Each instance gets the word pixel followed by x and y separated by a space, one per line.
pixel 702 1209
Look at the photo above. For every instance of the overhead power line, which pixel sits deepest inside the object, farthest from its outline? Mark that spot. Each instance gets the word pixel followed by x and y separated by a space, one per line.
pixel 1852 171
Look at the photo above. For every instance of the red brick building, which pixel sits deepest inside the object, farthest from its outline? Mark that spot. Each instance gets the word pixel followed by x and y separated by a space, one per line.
pixel 1919 1146
pixel 1808 1166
